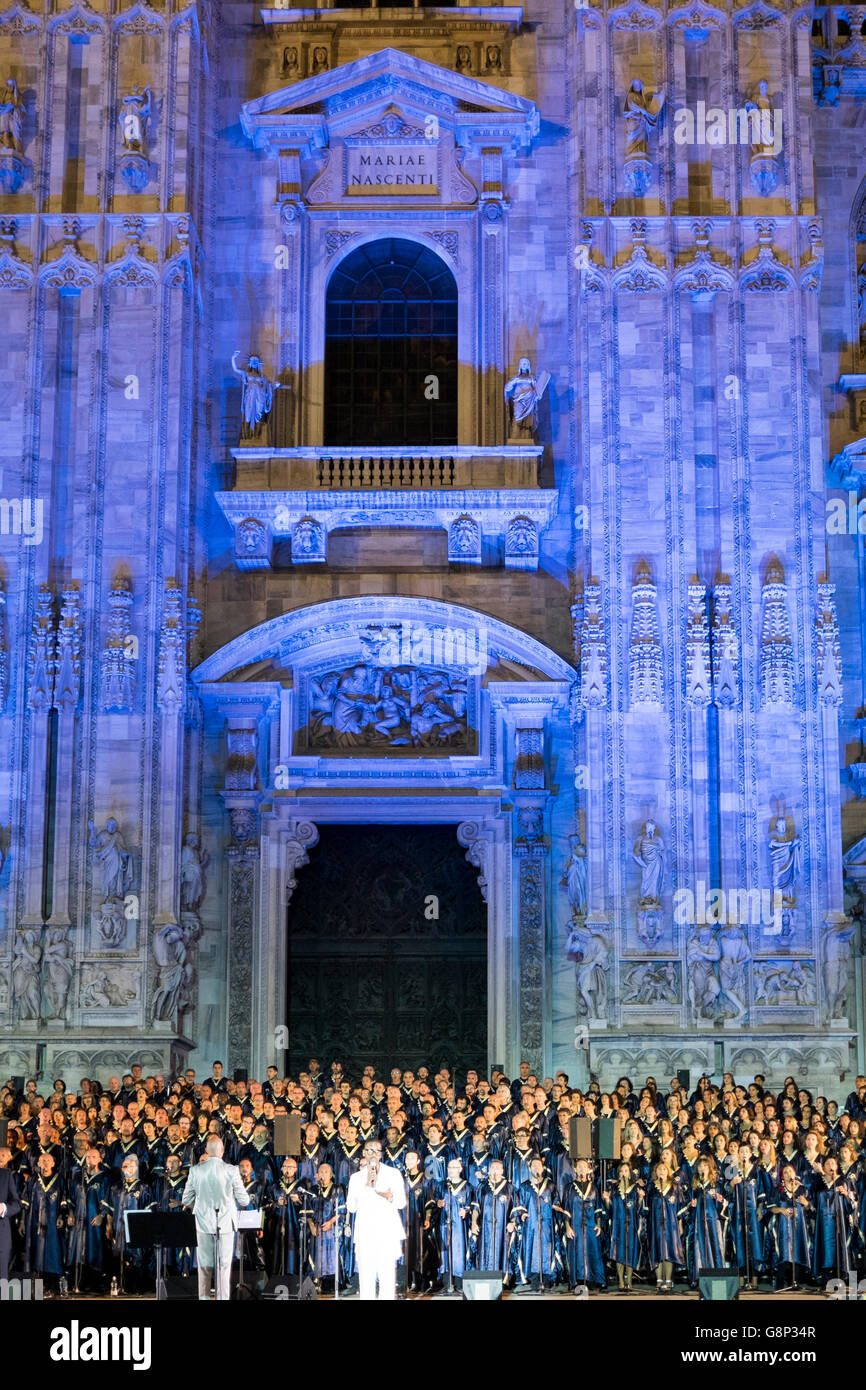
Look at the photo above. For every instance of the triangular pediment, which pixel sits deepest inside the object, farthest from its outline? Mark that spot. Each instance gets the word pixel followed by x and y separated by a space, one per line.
pixel 387 78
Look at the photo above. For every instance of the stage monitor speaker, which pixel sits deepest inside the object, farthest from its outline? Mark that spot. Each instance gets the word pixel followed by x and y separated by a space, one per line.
pixel 579 1138
pixel 4 1133
pixel 719 1285
pixel 282 1287
pixel 240 1074
pixel 609 1137
pixel 287 1136
pixel 252 1287
pixel 180 1286
pixel 684 1077
pixel 483 1285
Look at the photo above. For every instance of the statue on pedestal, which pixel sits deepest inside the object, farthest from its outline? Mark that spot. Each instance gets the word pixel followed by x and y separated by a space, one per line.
pixel 523 393
pixel 258 395
pixel 26 960
pixel 836 950
pixel 574 879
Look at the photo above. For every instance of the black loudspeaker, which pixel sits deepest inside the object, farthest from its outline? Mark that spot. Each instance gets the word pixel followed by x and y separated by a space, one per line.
pixel 252 1288
pixel 287 1136
pixel 684 1077
pixel 579 1138
pixel 240 1074
pixel 4 1133
pixel 609 1137
pixel 719 1285
pixel 281 1287
pixel 483 1286
pixel 181 1286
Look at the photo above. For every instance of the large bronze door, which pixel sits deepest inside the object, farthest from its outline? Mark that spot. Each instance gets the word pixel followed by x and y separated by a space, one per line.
pixel 387 937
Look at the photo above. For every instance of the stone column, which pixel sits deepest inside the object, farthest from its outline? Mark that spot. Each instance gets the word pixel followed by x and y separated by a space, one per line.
pixel 243 900
pixel 531 853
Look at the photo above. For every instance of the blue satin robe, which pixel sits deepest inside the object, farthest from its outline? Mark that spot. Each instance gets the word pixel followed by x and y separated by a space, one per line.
pixel 537 1234
pixel 663 1226
pixel 705 1240
pixel 790 1235
pixel 493 1210
pixel 626 1238
pixel 834 1210
pixel 584 1252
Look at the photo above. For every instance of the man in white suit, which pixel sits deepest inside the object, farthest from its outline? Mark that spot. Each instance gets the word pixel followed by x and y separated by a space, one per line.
pixel 213 1192
pixel 376 1196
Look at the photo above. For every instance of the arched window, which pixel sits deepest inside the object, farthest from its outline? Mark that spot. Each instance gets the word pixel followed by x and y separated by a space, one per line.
pixel 391 348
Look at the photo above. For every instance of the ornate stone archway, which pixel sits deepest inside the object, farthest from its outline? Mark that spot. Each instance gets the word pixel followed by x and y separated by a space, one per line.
pixel 494 786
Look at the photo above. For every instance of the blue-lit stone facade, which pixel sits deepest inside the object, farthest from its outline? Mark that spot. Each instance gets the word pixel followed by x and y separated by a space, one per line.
pixel 618 645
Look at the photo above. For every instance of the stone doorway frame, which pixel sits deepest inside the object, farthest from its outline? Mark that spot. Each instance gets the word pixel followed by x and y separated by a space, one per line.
pixel 290 828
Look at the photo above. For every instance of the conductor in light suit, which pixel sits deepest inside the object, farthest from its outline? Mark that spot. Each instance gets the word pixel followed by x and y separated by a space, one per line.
pixel 213 1192
pixel 377 1195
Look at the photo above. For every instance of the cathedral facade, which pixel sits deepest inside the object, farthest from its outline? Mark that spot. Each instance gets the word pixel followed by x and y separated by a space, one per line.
pixel 432 573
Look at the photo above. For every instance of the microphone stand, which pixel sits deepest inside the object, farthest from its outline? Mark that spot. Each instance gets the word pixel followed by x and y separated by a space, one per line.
pixel 746 1234
pixel 216 1258
pixel 337 1249
pixel 303 1216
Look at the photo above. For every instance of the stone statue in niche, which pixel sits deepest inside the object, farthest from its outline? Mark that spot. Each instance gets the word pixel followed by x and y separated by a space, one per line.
pixel 590 952
pixel 494 58
pixel 172 950
pixel 703 954
pixel 641 118
pixel 649 855
pixel 523 394
pixel 398 706
pixel 192 866
pixel 57 967
pixel 26 960
pixel 113 858
pixel 11 146
pixel 574 879
pixel 133 118
pixel 786 860
pixel 464 59
pixel 765 139
pixel 257 395
pixel 134 115
pixel 11 117
pixel 320 60
pixel 290 62
pixel 735 955
pixel 111 923
pixel 836 950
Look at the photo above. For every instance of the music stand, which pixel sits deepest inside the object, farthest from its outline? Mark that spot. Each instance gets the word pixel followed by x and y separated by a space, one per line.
pixel 158 1231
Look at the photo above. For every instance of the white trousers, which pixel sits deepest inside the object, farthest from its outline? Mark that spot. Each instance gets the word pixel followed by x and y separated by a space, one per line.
pixel 383 1270
pixel 208 1257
